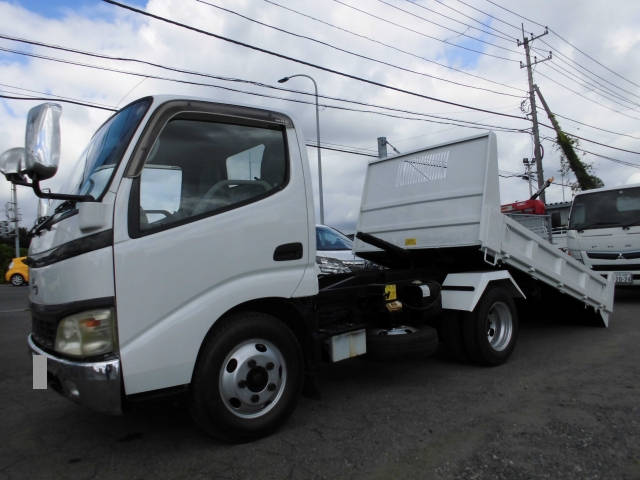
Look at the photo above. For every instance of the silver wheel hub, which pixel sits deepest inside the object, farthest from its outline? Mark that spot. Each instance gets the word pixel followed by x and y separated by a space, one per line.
pixel 252 378
pixel 500 327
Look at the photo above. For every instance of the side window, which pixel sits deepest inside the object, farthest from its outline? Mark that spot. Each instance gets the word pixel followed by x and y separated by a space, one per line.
pixel 197 168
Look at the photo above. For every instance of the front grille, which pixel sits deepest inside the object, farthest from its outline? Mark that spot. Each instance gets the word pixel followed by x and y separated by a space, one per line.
pixel 44 330
pixel 614 255
pixel 603 256
pixel 616 267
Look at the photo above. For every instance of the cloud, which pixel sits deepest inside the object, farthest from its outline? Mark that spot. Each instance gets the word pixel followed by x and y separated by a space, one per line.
pixel 603 32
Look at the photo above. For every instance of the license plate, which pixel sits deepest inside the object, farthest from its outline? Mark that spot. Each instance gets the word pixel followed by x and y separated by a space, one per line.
pixel 624 278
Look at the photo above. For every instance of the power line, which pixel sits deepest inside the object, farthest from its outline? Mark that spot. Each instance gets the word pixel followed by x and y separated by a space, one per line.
pixel 349 52
pixel 506 35
pixel 304 62
pixel 566 41
pixel 489 15
pixel 597 128
pixel 587 98
pixel 341 150
pixel 580 76
pixel 568 59
pixel 592 141
pixel 539 50
pixel 582 70
pixel 591 88
pixel 449 121
pixel 422 33
pixel 458 21
pixel 447 28
pixel 96 104
pixel 63 100
pixel 334 71
pixel 614 160
pixel 360 149
pixel 373 40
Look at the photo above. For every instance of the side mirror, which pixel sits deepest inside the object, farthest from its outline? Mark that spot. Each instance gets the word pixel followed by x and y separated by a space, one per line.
pixel 42 141
pixel 12 162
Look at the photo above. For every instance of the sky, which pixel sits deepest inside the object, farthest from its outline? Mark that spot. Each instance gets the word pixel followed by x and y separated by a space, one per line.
pixel 462 52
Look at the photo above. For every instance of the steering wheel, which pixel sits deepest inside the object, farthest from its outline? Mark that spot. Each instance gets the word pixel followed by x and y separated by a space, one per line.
pixel 227 183
pixel 212 197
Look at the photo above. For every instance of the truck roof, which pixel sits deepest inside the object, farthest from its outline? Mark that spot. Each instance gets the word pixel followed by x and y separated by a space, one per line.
pixel 606 189
pixel 162 98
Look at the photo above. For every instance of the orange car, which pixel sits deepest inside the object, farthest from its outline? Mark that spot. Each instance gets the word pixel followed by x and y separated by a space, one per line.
pixel 18 272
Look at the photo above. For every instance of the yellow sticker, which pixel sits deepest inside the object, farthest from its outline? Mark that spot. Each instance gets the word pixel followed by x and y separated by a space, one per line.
pixel 390 292
pixel 409 241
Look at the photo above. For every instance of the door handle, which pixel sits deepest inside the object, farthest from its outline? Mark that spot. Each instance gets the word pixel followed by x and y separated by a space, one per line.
pixel 288 251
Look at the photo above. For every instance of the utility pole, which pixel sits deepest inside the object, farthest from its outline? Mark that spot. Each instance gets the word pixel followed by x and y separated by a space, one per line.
pixel 382 147
pixel 527 166
pixel 537 151
pixel 14 195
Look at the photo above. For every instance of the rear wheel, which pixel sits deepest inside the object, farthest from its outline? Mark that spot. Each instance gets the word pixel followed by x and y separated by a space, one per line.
pixel 17 280
pixel 248 377
pixel 491 330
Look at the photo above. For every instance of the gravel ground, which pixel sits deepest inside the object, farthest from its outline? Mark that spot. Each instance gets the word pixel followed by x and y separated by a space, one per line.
pixel 566 405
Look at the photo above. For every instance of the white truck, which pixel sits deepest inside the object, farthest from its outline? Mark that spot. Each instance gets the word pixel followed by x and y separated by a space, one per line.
pixel 604 232
pixel 181 258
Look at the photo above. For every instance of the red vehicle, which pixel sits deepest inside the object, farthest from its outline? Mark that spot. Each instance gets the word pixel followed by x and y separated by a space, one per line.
pixel 532 207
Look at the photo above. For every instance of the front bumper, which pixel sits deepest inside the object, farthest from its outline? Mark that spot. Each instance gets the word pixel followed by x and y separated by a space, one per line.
pixel 96 385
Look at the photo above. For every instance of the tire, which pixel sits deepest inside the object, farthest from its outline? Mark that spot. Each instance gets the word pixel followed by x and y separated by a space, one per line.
pixel 247 379
pixel 404 341
pixel 450 333
pixel 491 330
pixel 17 280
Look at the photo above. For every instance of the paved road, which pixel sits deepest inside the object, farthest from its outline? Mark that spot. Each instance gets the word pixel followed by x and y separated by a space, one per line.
pixel 566 405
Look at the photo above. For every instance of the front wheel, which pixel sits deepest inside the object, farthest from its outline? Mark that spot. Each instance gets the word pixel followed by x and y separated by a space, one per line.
pixel 17 280
pixel 248 377
pixel 491 330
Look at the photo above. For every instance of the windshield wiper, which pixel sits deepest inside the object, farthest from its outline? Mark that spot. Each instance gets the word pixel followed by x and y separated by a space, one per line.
pixel 47 222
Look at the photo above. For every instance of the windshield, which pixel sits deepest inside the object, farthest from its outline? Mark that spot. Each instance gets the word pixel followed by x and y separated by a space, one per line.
pixel 330 239
pixel 105 150
pixel 612 208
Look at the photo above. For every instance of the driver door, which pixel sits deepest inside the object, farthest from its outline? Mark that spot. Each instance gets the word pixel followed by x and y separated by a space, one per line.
pixel 216 201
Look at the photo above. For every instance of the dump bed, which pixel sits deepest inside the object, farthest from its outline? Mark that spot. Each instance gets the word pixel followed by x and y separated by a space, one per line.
pixel 442 205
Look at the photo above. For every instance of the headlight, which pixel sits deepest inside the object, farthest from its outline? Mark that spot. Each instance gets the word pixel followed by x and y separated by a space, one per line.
pixel 575 254
pixel 87 334
pixel 331 265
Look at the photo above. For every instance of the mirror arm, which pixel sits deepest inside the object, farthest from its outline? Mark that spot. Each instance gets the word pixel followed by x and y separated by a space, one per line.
pixel 56 196
pixel 18 179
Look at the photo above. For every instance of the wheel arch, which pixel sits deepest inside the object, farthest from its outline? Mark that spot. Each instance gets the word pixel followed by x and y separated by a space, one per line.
pixel 463 291
pixel 298 315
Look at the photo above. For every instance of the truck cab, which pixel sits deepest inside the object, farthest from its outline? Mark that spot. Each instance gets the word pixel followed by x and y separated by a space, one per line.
pixel 167 191
pixel 604 232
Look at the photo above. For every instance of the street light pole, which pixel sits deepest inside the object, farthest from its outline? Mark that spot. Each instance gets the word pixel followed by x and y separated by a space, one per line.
pixel 315 86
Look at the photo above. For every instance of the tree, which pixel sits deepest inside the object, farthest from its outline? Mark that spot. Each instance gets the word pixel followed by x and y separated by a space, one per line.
pixel 583 172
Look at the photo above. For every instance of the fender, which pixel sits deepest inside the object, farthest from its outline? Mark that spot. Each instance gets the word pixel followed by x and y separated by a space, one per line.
pixel 463 291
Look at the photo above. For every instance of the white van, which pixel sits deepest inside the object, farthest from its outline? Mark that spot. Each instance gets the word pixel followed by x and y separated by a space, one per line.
pixel 604 231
